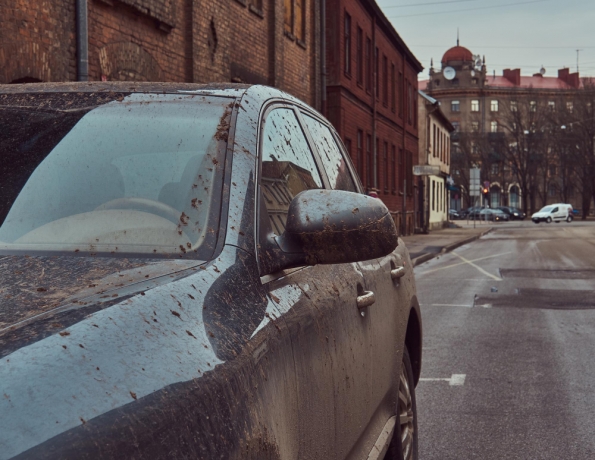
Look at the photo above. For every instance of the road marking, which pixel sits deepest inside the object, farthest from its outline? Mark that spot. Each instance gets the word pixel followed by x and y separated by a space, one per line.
pixel 485 305
pixel 478 267
pixel 455 380
pixel 463 263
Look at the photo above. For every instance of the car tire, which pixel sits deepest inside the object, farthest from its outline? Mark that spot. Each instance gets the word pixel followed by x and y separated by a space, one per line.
pixel 536 221
pixel 403 445
pixel 569 219
pixel 548 220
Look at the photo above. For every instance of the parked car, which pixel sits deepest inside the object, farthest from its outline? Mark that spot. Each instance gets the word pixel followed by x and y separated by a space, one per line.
pixel 500 215
pixel 192 271
pixel 513 213
pixel 553 213
pixel 453 214
pixel 493 215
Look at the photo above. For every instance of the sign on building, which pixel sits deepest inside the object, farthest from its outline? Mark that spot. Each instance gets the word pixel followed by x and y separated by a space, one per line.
pixel 426 170
pixel 474 182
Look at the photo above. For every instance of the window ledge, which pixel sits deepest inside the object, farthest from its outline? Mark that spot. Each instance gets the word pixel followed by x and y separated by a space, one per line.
pixel 301 43
pixel 257 11
pixel 242 2
pixel 289 35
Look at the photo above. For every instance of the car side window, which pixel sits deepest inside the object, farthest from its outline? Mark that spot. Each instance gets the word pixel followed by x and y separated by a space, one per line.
pixel 555 210
pixel 288 165
pixel 334 163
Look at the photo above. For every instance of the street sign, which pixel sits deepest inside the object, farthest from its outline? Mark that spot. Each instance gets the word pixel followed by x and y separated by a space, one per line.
pixel 474 182
pixel 426 170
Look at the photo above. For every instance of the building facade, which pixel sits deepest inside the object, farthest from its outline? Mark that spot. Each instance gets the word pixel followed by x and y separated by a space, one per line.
pixel 483 109
pixel 434 151
pixel 372 101
pixel 272 42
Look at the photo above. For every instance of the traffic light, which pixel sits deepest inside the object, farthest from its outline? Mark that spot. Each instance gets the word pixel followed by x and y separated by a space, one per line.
pixel 485 191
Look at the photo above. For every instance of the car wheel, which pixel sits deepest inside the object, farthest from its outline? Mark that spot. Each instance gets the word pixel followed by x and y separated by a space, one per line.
pixel 569 219
pixel 549 220
pixel 403 445
pixel 536 221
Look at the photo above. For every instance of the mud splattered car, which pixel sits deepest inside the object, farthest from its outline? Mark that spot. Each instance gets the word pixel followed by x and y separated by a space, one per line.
pixel 193 272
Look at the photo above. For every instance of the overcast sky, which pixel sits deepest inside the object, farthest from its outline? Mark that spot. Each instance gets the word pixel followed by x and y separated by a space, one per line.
pixel 525 34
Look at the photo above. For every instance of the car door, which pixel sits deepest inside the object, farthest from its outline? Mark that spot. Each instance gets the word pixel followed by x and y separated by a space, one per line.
pixel 381 336
pixel 318 303
pixel 555 213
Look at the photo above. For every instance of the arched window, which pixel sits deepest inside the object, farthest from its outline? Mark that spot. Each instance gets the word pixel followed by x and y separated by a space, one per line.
pixel 514 200
pixel 494 196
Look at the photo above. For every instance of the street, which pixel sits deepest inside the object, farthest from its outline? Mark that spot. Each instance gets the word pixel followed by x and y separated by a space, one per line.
pixel 508 369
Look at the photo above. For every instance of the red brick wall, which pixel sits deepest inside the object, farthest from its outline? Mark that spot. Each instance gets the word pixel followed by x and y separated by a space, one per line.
pixel 351 107
pixel 167 40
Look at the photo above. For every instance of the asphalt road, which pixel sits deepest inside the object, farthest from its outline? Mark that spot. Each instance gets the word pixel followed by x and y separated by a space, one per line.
pixel 509 346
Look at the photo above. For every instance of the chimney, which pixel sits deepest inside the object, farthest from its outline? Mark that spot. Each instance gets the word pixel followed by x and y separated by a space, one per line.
pixel 574 80
pixel 514 76
pixel 563 74
pixel 537 75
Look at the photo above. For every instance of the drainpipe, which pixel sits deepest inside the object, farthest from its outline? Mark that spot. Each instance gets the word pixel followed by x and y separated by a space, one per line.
pixel 82 41
pixel 323 57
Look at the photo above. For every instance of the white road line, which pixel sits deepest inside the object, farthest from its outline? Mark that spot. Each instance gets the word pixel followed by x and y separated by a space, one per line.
pixel 455 380
pixel 485 305
pixel 477 267
pixel 463 263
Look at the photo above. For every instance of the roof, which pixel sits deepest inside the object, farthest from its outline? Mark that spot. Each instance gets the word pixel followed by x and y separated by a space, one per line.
pixel 438 111
pixel 457 53
pixel 528 82
pixel 430 99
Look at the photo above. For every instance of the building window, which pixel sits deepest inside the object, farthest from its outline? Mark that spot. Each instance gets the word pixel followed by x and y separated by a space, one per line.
pixel 370 162
pixel 400 95
pixel 455 106
pixel 533 106
pixel 434 140
pixel 474 81
pixel 393 102
pixel 401 170
pixel 475 105
pixel 368 64
pixel 394 168
pixel 359 57
pixel 377 72
pixel 474 126
pixel 552 106
pixel 494 127
pixel 494 106
pixel 385 167
pixel 553 170
pixel 494 169
pixel 360 154
pixel 514 107
pixel 347 44
pixel 569 107
pixel 409 103
pixel 385 81
pixel 456 125
pixel 295 19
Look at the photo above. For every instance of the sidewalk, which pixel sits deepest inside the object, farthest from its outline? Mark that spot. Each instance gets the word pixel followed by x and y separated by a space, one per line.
pixel 425 247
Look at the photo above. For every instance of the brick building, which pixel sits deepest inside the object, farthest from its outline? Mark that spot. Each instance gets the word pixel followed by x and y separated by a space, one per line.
pixel 481 105
pixel 273 42
pixel 372 101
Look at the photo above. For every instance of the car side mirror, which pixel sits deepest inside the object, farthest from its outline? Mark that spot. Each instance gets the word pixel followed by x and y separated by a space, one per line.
pixel 333 227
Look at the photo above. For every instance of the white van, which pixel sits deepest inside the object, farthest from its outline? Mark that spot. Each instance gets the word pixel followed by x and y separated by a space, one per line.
pixel 557 212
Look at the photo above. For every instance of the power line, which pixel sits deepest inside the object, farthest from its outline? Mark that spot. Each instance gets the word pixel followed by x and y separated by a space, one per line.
pixel 424 4
pixel 467 9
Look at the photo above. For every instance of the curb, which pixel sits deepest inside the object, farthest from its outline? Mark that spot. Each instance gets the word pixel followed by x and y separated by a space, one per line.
pixel 451 247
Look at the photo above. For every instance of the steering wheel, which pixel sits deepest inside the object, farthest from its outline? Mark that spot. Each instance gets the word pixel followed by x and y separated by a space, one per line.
pixel 145 205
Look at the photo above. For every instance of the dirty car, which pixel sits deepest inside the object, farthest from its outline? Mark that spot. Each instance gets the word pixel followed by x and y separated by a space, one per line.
pixel 193 271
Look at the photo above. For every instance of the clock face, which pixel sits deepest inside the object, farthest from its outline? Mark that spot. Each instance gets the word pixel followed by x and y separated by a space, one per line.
pixel 449 73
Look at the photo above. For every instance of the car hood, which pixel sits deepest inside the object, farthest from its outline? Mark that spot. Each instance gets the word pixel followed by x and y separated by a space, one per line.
pixel 541 214
pixel 40 296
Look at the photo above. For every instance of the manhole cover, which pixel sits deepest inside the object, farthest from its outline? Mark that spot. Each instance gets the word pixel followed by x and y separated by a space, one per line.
pixel 548 299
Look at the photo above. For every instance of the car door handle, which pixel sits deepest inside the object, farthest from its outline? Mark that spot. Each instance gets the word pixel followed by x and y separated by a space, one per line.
pixel 397 273
pixel 366 299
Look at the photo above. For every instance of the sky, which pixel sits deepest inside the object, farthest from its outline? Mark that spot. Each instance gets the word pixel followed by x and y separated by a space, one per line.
pixel 525 34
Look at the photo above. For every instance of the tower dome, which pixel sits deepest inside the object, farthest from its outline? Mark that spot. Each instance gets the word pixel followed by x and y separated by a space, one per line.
pixel 457 53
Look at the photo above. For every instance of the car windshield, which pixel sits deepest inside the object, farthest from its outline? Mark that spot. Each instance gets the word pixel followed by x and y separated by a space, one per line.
pixel 137 175
pixel 546 209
